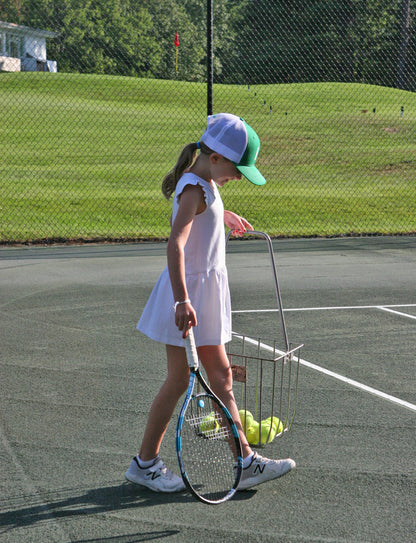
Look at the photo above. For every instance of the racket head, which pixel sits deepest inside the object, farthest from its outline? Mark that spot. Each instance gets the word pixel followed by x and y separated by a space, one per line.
pixel 209 450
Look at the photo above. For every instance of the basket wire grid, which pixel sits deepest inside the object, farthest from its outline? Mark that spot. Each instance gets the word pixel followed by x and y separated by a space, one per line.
pixel 265 383
pixel 266 375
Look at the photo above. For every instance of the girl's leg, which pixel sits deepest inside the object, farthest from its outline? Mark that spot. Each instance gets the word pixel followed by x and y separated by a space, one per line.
pixel 165 402
pixel 215 361
pixel 258 469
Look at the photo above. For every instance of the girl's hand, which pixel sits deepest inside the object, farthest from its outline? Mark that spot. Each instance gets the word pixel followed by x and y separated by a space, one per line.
pixel 185 317
pixel 238 225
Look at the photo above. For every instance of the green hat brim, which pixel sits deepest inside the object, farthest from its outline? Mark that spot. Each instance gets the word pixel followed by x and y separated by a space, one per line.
pixel 252 174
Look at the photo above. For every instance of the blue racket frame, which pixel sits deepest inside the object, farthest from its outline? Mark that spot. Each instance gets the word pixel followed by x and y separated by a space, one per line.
pixel 195 375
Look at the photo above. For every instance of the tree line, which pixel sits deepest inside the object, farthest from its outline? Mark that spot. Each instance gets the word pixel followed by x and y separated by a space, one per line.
pixel 255 41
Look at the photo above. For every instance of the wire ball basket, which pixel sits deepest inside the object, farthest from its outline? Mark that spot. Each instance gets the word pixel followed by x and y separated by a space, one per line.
pixel 265 374
pixel 265 386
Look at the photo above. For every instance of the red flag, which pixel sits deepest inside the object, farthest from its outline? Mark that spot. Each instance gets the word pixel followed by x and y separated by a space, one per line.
pixel 177 40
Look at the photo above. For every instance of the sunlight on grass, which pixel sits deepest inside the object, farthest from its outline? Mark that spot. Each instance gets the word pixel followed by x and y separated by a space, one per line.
pixel 83 156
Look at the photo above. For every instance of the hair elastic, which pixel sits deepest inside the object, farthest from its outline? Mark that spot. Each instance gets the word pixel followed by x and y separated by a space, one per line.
pixel 198 145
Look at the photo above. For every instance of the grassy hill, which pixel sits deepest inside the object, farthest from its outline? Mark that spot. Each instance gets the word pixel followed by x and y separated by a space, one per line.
pixel 83 156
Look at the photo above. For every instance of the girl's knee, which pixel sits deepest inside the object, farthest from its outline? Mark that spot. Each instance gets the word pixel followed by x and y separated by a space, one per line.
pixel 179 383
pixel 216 364
pixel 220 378
pixel 178 369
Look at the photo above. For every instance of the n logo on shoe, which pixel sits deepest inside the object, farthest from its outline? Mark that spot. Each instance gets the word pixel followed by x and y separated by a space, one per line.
pixel 259 468
pixel 154 475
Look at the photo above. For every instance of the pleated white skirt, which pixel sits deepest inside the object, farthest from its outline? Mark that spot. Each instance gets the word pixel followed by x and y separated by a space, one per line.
pixel 210 296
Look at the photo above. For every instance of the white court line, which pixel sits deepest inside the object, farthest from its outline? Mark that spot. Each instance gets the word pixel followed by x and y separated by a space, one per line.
pixel 352 382
pixel 328 308
pixel 384 308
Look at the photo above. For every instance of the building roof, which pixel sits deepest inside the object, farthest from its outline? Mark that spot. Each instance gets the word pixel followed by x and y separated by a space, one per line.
pixel 20 29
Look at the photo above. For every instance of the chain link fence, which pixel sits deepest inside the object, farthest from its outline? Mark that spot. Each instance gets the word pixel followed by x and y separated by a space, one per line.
pixel 328 86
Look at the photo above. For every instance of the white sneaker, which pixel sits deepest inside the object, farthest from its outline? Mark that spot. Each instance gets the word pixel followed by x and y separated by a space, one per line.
pixel 157 477
pixel 262 469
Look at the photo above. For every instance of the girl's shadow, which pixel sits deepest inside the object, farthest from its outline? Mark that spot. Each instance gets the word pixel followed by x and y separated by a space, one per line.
pixel 72 502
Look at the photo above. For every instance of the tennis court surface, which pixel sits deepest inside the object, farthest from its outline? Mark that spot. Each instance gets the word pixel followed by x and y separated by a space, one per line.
pixel 77 380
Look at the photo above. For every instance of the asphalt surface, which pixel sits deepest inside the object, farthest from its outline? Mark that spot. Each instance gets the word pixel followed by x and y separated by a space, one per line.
pixel 76 382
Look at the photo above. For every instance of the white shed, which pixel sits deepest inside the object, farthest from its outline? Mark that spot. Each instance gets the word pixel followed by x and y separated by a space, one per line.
pixel 24 48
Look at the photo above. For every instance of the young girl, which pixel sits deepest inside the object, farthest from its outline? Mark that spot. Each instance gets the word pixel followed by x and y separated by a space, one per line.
pixel 193 291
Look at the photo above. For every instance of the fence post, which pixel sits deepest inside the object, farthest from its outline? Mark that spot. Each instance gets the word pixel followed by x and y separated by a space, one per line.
pixel 210 55
pixel 405 31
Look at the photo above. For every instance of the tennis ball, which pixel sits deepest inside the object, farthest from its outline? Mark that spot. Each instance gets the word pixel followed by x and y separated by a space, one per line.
pixel 267 428
pixel 253 432
pixel 246 418
pixel 278 424
pixel 209 424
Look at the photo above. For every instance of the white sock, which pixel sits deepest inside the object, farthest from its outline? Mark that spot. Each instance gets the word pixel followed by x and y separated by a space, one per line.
pixel 146 464
pixel 247 460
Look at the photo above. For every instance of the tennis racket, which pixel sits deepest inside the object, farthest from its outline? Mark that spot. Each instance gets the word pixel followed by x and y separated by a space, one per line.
pixel 207 440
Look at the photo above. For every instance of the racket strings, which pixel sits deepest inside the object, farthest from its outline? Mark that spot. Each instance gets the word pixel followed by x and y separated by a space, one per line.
pixel 218 431
pixel 209 451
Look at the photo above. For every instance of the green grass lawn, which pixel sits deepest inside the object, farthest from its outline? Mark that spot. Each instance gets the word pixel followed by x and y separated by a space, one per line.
pixel 83 156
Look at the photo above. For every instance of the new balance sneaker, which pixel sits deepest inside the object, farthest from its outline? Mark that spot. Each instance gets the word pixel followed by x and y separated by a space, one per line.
pixel 262 469
pixel 157 477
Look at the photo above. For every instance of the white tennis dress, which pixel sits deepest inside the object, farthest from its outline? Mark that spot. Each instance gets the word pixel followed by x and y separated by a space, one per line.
pixel 206 277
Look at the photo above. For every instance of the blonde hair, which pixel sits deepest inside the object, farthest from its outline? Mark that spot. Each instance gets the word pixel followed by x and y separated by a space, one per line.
pixel 185 160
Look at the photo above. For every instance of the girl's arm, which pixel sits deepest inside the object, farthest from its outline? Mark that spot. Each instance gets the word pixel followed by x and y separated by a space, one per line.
pixel 238 225
pixel 191 203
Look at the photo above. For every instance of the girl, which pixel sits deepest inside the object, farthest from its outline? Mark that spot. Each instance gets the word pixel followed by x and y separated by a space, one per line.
pixel 193 291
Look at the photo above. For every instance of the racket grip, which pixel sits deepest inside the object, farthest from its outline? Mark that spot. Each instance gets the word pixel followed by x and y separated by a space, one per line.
pixel 191 353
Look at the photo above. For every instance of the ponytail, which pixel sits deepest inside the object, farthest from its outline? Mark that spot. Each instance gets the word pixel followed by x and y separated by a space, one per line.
pixel 185 160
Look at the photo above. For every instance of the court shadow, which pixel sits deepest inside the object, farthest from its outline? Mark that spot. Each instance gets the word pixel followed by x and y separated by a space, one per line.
pixel 244 495
pixel 131 538
pixel 72 502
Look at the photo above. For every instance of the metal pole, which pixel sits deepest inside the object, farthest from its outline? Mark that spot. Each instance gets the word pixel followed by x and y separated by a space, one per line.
pixel 210 54
pixel 405 34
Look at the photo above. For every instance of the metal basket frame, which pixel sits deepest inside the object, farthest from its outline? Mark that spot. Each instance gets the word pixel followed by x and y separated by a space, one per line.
pixel 277 373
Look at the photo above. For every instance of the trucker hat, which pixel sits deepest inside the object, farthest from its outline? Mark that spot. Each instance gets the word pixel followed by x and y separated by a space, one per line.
pixel 233 138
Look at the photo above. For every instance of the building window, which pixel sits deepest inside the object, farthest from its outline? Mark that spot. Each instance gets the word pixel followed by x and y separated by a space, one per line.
pixel 14 45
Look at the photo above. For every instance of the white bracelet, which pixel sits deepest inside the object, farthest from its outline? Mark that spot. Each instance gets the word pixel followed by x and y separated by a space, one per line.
pixel 175 305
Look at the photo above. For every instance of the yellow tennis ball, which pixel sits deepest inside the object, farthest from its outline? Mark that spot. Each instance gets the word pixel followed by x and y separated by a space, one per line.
pixel 267 432
pixel 246 418
pixel 253 432
pixel 208 424
pixel 277 423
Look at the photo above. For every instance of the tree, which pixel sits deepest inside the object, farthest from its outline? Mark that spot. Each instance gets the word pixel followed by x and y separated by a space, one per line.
pixel 169 17
pixel 324 40
pixel 255 41
pixel 98 36
pixel 11 10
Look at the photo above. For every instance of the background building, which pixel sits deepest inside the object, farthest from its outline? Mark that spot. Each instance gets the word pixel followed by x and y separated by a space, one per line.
pixel 24 48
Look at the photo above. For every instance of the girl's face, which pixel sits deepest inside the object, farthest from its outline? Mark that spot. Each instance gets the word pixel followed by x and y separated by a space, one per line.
pixel 223 170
